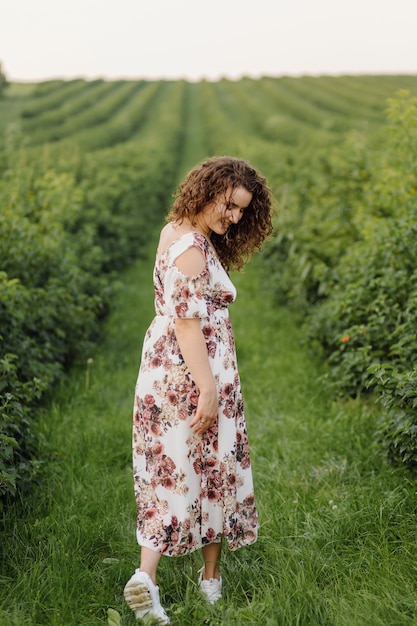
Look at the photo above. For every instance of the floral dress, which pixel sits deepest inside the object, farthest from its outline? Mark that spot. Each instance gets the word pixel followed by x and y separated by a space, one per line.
pixel 190 489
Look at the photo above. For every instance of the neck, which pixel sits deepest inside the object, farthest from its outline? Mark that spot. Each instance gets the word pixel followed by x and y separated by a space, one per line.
pixel 199 226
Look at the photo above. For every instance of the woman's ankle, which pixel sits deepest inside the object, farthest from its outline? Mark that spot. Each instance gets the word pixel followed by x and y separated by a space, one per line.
pixel 211 570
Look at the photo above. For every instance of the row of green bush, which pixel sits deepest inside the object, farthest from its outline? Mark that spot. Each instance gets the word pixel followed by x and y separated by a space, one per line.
pixel 53 98
pixel 345 258
pixel 45 119
pixel 68 223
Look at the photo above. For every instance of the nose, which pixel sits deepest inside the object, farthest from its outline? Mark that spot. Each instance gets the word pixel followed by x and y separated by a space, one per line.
pixel 235 215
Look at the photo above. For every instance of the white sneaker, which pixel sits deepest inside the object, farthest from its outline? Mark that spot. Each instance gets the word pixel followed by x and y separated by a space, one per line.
pixel 143 598
pixel 212 588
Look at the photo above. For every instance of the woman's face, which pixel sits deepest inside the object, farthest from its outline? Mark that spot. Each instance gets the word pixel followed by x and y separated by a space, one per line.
pixel 225 210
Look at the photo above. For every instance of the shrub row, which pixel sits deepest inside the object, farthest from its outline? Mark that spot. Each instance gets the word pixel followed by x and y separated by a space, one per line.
pixel 345 258
pixel 273 122
pixel 48 120
pixel 282 98
pixel 53 98
pixel 100 112
pixel 65 229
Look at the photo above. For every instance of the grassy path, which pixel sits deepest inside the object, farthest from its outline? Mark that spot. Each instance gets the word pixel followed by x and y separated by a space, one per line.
pixel 194 146
pixel 337 544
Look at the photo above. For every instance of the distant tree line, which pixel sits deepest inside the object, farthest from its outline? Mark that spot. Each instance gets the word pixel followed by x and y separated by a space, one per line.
pixel 3 80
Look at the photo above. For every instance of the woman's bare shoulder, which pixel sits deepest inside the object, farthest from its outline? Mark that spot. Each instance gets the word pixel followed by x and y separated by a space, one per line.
pixel 169 234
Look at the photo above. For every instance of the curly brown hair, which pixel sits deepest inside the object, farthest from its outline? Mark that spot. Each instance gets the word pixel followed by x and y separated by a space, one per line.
pixel 208 181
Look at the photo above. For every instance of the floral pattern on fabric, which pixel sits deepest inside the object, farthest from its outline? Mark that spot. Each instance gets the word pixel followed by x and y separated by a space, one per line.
pixel 190 490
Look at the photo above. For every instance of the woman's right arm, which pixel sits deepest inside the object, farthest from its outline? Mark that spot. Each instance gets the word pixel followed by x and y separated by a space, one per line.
pixel 194 350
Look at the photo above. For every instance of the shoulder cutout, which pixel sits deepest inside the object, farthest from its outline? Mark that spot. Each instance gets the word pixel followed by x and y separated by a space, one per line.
pixel 191 262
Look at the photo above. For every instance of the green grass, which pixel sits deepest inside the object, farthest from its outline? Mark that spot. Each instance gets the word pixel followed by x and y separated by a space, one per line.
pixel 337 545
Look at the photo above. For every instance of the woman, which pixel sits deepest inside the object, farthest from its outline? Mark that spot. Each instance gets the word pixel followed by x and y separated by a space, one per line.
pixel 193 481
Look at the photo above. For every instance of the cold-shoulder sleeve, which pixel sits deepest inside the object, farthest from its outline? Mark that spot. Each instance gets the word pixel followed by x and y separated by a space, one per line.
pixel 187 296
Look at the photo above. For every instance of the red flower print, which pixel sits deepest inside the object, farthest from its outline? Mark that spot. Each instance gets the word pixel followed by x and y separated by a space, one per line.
pixel 245 462
pixel 155 429
pixel 215 480
pixel 207 331
pixel 198 466
pixel 172 397
pixel 150 513
pixel 193 397
pixel 174 537
pixel 174 522
pixel 229 409
pixel 181 309
pixel 168 482
pixel 149 401
pixel 182 413
pixel 160 344
pixel 227 390
pixel 136 417
pixel 156 361
pixel 167 465
pixel 249 501
pixel 146 415
pixel 157 449
pixel 210 534
pixel 211 349
pixel 185 293
pixel 212 495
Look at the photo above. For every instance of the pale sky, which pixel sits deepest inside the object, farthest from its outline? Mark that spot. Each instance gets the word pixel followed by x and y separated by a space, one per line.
pixel 194 39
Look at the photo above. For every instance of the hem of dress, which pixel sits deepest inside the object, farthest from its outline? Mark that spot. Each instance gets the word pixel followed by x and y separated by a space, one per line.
pixel 231 544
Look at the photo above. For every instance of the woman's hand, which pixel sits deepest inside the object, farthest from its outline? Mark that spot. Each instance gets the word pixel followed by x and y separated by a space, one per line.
pixel 206 413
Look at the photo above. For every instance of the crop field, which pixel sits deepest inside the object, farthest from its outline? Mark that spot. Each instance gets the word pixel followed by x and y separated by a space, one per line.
pixel 325 326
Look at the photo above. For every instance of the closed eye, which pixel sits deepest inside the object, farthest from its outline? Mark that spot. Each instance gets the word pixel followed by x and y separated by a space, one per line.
pixel 232 205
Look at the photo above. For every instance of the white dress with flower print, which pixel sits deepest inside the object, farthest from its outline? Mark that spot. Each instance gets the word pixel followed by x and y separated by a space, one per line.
pixel 190 489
